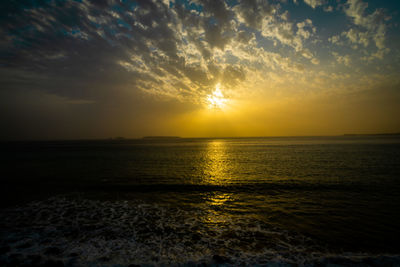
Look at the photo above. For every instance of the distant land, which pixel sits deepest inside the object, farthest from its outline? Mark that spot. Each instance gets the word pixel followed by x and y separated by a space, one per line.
pixel 161 137
pixel 372 134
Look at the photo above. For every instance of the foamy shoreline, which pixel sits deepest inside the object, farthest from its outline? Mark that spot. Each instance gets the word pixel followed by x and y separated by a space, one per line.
pixel 71 231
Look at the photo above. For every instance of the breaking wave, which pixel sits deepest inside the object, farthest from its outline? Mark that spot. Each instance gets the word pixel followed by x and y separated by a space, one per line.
pixel 74 231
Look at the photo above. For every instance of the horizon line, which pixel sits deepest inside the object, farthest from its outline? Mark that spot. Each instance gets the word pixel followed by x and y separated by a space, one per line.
pixel 149 137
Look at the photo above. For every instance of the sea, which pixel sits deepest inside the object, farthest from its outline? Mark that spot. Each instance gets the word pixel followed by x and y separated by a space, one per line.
pixel 273 201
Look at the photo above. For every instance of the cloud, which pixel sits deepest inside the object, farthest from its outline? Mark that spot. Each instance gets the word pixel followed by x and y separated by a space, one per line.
pixel 254 12
pixel 302 29
pixel 282 32
pixel 328 8
pixel 315 61
pixel 372 26
pixel 314 3
pixel 357 37
pixel 148 44
pixel 342 59
pixel 89 50
pixel 334 39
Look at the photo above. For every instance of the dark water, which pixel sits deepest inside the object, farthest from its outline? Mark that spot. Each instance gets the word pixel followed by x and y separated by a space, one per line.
pixel 249 201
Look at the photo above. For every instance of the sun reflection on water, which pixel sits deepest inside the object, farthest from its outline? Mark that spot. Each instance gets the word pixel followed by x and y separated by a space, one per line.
pixel 216 171
pixel 219 199
pixel 216 166
pixel 216 208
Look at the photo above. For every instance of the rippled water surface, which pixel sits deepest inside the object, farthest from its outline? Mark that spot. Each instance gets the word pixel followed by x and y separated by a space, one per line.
pixel 303 200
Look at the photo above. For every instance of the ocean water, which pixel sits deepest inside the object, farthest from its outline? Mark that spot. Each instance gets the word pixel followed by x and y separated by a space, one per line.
pixel 227 201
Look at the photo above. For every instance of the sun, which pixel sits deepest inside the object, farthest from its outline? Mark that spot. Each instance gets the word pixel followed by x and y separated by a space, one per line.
pixel 216 99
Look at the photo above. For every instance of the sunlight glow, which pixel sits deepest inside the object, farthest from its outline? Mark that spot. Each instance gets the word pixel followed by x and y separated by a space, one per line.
pixel 217 171
pixel 216 100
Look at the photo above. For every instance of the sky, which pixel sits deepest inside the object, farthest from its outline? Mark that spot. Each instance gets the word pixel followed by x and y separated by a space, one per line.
pixel 198 68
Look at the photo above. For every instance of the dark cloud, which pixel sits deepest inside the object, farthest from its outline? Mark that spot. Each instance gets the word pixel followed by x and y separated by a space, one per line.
pixel 255 11
pixel 245 36
pixel 77 44
pixel 103 52
pixel 232 75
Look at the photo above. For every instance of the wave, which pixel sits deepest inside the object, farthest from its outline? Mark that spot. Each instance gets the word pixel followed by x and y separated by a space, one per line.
pixel 75 231
pixel 125 185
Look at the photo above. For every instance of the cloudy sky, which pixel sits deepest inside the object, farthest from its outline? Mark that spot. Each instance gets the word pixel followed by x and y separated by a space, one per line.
pixel 98 69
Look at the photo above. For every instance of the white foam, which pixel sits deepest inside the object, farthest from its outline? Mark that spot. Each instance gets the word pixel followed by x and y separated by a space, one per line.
pixel 105 233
